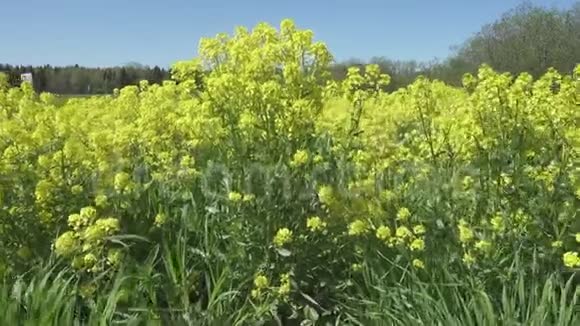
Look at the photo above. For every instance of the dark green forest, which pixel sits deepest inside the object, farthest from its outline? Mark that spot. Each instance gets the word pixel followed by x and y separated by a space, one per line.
pixel 527 38
pixel 84 81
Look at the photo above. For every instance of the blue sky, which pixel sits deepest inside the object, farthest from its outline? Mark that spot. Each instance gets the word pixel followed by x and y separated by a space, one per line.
pixel 114 32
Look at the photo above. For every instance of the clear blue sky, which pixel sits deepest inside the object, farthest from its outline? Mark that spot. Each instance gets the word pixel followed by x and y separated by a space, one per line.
pixel 159 32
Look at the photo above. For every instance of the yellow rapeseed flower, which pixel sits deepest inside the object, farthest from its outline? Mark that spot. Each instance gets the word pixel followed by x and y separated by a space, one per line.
pixel 114 257
pixel 418 263
pixel 521 218
pixel 300 158
pixel 92 234
pixel 483 245
pixel 497 223
pixel 383 233
pixel 315 224
pixel 357 227
pixel 571 259
pixel 283 236
pixel 109 225
pixel 248 197
pixel 468 259
pixel 261 281
pixel 43 190
pixel 285 285
pixel 121 181
pixel 90 260
pixel 88 213
pixel 160 219
pixel 66 244
pixel 387 195
pixel 467 182
pixel 44 216
pixel 75 221
pixel 417 245
pixel 234 196
pixel 326 194
pixel 101 200
pixel 403 214
pixel 256 293
pixel 419 229
pixel 465 233
pixel 403 232
pixel 284 289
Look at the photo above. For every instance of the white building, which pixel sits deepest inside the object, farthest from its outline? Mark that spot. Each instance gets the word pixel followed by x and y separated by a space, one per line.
pixel 26 77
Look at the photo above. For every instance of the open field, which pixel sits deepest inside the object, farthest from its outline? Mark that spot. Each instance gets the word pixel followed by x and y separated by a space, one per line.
pixel 252 189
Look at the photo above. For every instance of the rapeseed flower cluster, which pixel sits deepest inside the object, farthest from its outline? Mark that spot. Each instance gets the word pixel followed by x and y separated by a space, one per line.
pixel 383 233
pixel 326 195
pixel 465 232
pixel 122 182
pixel 357 227
pixel 285 285
pixel 315 224
pixel 160 219
pixel 300 158
pixel 403 214
pixel 261 284
pixel 234 197
pixel 84 244
pixel 571 259
pixel 418 263
pixel 283 237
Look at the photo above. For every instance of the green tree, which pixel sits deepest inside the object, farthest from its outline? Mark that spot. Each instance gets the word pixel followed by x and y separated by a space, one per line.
pixel 527 38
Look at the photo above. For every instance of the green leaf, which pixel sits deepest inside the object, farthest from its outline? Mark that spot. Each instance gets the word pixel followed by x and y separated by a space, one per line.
pixel 311 313
pixel 284 252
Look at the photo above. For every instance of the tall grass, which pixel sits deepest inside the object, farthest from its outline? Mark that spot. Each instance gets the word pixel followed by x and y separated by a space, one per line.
pixel 46 296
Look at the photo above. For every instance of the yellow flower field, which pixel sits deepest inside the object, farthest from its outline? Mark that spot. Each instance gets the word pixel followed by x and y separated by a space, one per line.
pixel 253 189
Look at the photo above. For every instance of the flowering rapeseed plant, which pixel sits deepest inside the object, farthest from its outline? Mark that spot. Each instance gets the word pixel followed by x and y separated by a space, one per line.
pixel 315 224
pixel 300 158
pixel 412 162
pixel 283 237
pixel 383 233
pixel 419 264
pixel 571 259
pixel 234 196
pixel 358 227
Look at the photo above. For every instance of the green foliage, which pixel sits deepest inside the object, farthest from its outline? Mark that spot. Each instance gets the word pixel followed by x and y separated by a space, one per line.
pixel 252 190
pixel 528 38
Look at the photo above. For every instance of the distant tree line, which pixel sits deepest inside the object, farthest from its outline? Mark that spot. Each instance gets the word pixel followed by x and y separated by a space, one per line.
pixel 402 72
pixel 81 80
pixel 526 39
